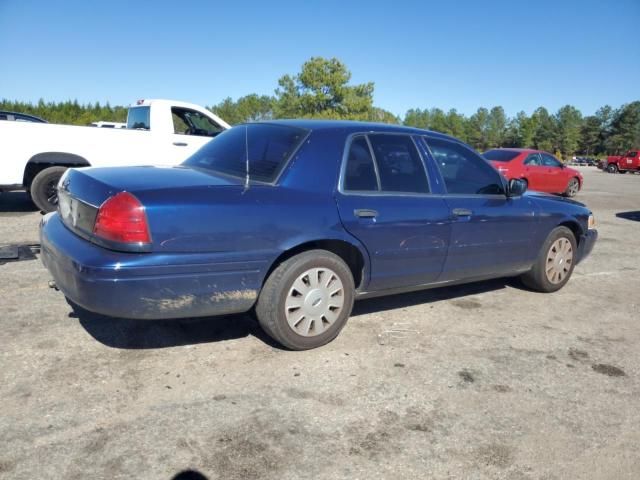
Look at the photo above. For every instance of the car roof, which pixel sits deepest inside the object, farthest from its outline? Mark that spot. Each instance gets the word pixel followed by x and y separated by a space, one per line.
pixel 521 150
pixel 351 126
pixel 23 115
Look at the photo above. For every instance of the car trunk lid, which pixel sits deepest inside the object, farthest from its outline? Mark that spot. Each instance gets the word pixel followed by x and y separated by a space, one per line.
pixel 83 191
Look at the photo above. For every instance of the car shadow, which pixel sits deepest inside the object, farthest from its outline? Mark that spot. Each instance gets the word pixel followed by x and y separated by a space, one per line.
pixel 128 333
pixel 16 202
pixel 152 334
pixel 634 215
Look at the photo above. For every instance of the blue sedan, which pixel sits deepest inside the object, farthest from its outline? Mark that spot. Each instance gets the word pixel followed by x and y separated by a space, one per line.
pixel 297 219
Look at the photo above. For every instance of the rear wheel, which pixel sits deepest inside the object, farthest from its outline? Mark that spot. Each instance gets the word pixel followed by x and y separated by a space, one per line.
pixel 555 263
pixel 612 168
pixel 306 300
pixel 573 187
pixel 44 188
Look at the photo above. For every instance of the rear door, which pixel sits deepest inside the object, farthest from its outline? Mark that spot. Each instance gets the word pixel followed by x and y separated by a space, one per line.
pixel 491 234
pixel 555 173
pixel 385 200
pixel 535 173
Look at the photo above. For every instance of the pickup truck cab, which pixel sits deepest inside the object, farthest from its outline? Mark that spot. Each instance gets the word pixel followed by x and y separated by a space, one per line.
pixel 629 162
pixel 158 132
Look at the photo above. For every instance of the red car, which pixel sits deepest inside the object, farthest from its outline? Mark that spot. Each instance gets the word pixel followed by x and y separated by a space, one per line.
pixel 629 162
pixel 541 170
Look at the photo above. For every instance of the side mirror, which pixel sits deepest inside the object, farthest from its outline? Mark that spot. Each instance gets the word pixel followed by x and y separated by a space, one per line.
pixel 516 187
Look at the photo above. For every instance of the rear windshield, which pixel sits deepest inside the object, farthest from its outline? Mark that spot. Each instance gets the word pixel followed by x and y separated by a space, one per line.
pixel 500 155
pixel 138 118
pixel 268 146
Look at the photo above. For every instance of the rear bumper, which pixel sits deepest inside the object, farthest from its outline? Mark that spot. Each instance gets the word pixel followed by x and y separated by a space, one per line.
pixel 146 285
pixel 587 241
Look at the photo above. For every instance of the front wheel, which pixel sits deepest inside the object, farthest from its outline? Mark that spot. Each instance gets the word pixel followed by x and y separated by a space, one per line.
pixel 612 168
pixel 306 300
pixel 573 187
pixel 555 263
pixel 44 188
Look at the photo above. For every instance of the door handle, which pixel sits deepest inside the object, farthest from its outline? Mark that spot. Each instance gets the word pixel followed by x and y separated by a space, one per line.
pixel 462 212
pixel 180 144
pixel 365 213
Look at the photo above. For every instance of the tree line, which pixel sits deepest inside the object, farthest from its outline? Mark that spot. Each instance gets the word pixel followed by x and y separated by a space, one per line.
pixel 322 89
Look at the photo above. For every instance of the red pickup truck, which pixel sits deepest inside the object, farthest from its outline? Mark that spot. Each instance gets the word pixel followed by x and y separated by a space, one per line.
pixel 629 162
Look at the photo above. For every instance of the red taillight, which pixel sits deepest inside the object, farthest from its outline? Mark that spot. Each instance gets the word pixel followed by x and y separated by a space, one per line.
pixel 122 219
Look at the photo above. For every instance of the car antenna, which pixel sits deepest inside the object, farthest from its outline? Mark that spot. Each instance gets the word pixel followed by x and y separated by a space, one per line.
pixel 246 150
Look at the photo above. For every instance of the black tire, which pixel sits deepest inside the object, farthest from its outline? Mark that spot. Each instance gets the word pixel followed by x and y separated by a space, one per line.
pixel 536 278
pixel 612 168
pixel 572 190
pixel 270 308
pixel 44 188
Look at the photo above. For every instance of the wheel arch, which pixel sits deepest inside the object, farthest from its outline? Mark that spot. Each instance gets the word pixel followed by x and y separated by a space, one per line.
pixel 351 252
pixel 575 227
pixel 43 160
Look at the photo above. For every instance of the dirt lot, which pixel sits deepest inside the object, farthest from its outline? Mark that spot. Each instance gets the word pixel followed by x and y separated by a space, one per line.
pixel 481 381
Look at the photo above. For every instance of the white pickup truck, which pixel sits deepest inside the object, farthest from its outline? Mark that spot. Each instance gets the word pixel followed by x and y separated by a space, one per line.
pixel 33 156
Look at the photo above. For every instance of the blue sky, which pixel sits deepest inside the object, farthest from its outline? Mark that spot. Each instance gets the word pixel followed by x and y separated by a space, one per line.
pixel 458 54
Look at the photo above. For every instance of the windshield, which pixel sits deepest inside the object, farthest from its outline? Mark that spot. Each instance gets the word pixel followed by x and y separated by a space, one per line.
pixel 269 148
pixel 499 155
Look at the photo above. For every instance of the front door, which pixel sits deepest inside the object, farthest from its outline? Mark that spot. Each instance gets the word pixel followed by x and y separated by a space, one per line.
pixel 491 234
pixel 192 130
pixel 385 201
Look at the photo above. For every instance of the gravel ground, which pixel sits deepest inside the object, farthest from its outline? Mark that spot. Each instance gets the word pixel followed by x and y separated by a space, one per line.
pixel 481 381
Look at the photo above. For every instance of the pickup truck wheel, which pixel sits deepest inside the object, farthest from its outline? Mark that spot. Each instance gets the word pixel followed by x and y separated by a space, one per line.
pixel 555 263
pixel 612 168
pixel 573 187
pixel 306 300
pixel 44 191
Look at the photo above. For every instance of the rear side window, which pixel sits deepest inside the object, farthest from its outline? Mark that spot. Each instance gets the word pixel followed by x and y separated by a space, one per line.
pixel 464 171
pixel 399 164
pixel 266 146
pixel 360 173
pixel 500 155
pixel 138 118
pixel 533 160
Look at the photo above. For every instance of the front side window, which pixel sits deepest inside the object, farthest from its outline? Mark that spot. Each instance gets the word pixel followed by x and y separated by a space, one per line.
pixel 464 172
pixel 192 122
pixel 265 147
pixel 399 164
pixel 360 172
pixel 550 161
pixel 138 118
pixel 632 154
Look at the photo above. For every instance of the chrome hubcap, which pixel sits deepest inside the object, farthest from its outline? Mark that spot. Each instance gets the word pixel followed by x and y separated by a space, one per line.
pixel 573 187
pixel 314 302
pixel 559 260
